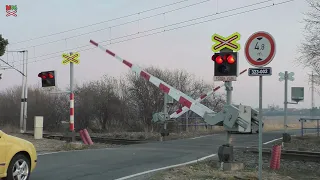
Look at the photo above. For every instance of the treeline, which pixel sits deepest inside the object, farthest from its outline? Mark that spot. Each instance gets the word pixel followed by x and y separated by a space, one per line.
pixel 107 104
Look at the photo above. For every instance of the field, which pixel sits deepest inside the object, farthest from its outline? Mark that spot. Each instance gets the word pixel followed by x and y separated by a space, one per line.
pixel 273 123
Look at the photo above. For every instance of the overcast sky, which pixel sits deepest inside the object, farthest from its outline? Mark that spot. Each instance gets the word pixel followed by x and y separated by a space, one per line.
pixel 188 48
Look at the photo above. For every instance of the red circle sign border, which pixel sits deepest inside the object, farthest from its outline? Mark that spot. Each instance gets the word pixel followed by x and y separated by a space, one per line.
pixel 270 56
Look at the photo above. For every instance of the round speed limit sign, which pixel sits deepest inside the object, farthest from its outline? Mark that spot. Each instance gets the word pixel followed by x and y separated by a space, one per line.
pixel 260 49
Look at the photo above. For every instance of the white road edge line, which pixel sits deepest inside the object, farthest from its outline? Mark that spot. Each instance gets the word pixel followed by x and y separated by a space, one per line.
pixel 202 136
pixel 272 141
pixel 166 167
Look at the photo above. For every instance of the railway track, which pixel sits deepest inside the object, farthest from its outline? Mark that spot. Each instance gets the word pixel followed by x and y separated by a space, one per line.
pixel 290 154
pixel 95 139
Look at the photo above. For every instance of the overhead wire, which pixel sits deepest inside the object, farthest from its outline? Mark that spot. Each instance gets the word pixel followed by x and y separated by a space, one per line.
pixel 118 25
pixel 166 30
pixel 101 22
pixel 140 32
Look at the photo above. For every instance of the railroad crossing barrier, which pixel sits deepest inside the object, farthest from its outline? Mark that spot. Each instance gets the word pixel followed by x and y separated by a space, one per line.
pixel 303 120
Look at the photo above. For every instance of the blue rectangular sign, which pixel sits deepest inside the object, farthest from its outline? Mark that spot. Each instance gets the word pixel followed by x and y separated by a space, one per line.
pixel 263 71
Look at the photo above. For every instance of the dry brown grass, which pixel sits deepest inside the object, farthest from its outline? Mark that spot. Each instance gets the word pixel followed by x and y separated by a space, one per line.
pixel 154 136
pixel 309 142
pixel 273 123
pixel 207 170
pixel 9 129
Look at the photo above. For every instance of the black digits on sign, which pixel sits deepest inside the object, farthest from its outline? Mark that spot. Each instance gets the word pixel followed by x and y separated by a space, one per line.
pixel 258 48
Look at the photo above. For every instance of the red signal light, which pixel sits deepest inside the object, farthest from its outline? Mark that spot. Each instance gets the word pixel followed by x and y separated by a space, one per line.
pixel 219 60
pixel 42 76
pixel 230 59
pixel 50 76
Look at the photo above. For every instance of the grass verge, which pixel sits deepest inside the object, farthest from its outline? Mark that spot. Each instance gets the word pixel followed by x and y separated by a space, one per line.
pixel 207 170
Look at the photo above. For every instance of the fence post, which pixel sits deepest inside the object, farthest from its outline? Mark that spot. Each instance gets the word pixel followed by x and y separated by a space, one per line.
pixel 318 127
pixel 301 127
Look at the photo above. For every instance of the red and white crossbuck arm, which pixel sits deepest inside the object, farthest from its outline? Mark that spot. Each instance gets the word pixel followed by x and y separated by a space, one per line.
pixel 184 109
pixel 179 96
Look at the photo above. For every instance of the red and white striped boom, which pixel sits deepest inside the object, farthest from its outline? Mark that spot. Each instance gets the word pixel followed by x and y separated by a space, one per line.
pixel 179 96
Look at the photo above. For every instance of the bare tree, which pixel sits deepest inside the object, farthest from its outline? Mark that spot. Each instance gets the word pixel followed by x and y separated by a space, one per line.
pixel 98 101
pixel 310 48
pixel 53 108
pixel 108 104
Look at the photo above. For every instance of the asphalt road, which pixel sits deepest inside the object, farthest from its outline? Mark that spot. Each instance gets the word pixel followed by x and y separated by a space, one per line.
pixel 109 164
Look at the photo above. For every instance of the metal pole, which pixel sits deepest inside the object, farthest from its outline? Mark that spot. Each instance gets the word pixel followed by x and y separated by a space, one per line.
pixel 260 127
pixel 72 101
pixel 165 109
pixel 312 94
pixel 25 92
pixel 22 98
pixel 228 85
pixel 285 100
pixel 187 121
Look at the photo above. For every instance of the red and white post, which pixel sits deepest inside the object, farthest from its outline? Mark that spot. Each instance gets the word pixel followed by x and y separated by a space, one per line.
pixel 71 111
pixel 72 101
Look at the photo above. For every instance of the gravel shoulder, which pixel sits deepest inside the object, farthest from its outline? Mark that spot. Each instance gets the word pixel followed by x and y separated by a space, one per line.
pixel 310 142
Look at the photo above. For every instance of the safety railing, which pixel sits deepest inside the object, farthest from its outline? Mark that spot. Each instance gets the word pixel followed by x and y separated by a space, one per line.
pixel 304 120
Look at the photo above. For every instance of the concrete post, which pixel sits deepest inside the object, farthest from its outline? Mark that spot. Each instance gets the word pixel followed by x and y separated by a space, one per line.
pixel 38 127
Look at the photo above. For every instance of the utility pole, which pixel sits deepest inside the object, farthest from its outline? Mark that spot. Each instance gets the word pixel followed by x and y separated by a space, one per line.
pixel 25 92
pixel 312 95
pixel 24 89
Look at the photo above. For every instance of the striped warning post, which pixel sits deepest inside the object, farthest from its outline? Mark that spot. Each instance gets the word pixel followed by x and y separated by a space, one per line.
pixel 179 96
pixel 184 109
pixel 71 112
